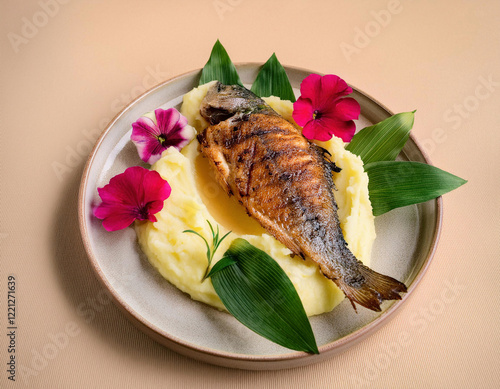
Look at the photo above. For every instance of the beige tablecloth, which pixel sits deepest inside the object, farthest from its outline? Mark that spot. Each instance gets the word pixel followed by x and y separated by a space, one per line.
pixel 67 67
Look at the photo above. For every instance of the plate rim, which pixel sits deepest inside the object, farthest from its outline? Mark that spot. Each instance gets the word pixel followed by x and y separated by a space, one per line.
pixel 229 359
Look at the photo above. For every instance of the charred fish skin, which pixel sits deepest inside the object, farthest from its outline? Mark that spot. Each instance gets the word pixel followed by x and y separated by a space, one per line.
pixel 285 182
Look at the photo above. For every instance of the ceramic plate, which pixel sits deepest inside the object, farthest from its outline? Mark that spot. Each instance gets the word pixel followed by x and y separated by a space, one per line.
pixel 406 240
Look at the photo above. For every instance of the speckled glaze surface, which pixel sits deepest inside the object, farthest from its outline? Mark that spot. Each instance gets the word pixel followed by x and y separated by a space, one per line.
pixel 406 241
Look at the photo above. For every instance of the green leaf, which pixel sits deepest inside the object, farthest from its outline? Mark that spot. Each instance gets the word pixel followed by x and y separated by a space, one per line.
pixel 220 67
pixel 394 184
pixel 383 141
pixel 221 264
pixel 259 294
pixel 272 80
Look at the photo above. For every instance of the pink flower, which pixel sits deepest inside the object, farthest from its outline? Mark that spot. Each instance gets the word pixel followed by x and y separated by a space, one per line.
pixel 169 129
pixel 322 112
pixel 137 193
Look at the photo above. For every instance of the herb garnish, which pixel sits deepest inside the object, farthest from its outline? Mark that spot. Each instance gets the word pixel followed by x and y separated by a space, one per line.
pixel 215 244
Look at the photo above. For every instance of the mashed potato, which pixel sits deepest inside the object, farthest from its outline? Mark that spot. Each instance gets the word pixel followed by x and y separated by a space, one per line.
pixel 196 198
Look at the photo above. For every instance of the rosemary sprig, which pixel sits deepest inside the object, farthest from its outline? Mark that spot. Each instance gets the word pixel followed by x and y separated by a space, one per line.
pixel 215 244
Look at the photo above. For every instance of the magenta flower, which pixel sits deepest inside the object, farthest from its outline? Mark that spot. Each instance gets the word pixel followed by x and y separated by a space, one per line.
pixel 322 112
pixel 137 193
pixel 169 129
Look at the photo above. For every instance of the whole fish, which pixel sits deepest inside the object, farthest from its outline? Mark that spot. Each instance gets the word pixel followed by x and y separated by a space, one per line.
pixel 285 182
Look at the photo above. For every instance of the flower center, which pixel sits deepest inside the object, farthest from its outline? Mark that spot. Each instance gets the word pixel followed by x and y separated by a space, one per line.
pixel 142 212
pixel 162 139
pixel 316 114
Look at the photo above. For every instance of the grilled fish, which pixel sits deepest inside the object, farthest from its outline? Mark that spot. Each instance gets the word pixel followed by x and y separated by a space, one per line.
pixel 285 182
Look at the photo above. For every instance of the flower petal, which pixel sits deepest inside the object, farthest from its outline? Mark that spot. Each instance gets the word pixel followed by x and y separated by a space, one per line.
pixel 340 128
pixel 145 137
pixel 310 88
pixel 302 111
pixel 173 125
pixel 152 139
pixel 348 109
pixel 135 176
pixel 104 210
pixel 152 218
pixel 180 136
pixel 155 187
pixel 166 119
pixel 154 207
pixel 119 190
pixel 144 128
pixel 315 129
pixel 308 130
pixel 137 193
pixel 333 87
pixel 321 110
pixel 149 150
pixel 345 109
pixel 118 221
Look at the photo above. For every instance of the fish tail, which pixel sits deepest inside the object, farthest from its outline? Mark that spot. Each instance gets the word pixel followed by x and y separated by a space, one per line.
pixel 372 289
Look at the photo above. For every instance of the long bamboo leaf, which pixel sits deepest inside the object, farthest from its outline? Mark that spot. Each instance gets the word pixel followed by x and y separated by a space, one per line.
pixel 394 184
pixel 220 67
pixel 258 293
pixel 383 141
pixel 272 80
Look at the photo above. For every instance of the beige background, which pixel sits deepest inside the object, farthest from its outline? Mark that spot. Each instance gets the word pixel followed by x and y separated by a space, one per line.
pixel 65 77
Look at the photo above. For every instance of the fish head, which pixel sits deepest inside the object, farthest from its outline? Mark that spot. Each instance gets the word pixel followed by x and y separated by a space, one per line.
pixel 226 101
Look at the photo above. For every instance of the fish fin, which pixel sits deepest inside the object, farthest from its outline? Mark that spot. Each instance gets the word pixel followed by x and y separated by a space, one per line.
pixel 374 289
pixel 327 159
pixel 275 230
pixel 292 246
pixel 218 162
pixel 224 184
